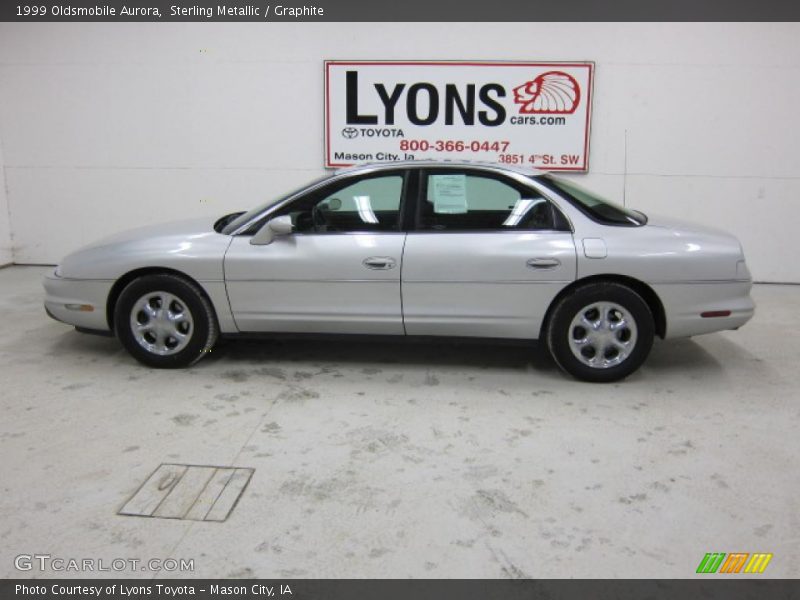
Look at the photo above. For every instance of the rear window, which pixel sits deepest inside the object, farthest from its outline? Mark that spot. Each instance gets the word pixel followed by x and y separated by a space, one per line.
pixel 594 206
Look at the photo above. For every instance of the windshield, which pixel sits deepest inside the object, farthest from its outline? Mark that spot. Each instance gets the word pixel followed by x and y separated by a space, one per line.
pixel 252 213
pixel 593 206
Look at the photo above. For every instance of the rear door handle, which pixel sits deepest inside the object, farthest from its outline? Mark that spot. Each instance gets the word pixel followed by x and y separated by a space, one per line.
pixel 379 262
pixel 543 263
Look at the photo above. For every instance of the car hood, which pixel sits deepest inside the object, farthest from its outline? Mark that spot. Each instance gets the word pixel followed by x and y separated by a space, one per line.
pixel 187 228
pixel 191 247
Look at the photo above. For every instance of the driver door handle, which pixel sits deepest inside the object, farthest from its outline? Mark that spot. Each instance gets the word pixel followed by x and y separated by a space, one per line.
pixel 379 262
pixel 543 263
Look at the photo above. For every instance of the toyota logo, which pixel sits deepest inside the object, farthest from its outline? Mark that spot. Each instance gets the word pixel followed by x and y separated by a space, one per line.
pixel 349 132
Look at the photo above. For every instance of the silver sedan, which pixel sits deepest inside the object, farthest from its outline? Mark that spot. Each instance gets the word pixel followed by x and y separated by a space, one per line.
pixel 414 249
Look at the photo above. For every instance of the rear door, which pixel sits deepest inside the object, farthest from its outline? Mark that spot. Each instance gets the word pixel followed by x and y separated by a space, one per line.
pixel 487 255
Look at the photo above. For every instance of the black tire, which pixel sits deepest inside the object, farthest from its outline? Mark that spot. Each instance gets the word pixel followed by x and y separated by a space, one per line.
pixel 200 333
pixel 572 306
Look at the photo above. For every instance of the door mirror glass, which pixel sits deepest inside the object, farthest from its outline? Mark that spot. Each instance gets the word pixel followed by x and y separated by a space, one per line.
pixel 277 226
pixel 331 204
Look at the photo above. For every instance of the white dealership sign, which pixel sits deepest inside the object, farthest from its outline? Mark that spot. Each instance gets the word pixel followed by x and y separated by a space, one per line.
pixel 519 113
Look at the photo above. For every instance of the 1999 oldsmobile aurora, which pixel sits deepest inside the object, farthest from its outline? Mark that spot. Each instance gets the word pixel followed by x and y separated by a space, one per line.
pixel 414 249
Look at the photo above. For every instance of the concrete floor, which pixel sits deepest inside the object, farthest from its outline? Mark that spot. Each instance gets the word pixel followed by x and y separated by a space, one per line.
pixel 381 460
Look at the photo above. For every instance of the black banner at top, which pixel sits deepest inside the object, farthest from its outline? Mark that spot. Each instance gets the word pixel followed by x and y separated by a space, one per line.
pixel 408 10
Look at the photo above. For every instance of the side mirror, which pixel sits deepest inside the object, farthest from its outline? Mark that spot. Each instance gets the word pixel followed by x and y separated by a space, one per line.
pixel 277 226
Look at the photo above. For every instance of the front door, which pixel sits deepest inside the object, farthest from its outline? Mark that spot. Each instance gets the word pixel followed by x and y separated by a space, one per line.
pixel 486 258
pixel 337 272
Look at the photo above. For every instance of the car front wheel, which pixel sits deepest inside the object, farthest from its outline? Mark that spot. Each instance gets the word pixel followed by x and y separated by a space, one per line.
pixel 165 321
pixel 601 332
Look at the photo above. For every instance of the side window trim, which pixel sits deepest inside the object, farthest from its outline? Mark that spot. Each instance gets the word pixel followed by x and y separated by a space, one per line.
pixel 408 201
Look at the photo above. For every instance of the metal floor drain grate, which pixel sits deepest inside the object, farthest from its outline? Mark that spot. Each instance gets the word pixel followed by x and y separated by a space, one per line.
pixel 189 492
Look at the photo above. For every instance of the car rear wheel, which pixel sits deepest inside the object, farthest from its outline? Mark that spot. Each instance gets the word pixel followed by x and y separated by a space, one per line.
pixel 601 332
pixel 165 321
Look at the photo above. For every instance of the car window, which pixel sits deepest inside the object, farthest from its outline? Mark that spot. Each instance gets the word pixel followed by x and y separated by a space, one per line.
pixel 234 223
pixel 459 201
pixel 369 204
pixel 592 205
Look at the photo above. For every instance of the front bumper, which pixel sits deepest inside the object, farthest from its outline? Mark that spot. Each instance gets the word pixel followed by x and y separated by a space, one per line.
pixel 78 302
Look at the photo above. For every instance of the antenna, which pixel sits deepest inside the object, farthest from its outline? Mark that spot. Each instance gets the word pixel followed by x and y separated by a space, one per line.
pixel 625 172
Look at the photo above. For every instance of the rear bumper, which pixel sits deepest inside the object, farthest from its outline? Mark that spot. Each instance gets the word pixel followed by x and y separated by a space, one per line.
pixel 78 302
pixel 684 303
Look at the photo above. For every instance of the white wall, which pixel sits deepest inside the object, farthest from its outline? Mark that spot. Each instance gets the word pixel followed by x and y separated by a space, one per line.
pixel 6 254
pixel 106 126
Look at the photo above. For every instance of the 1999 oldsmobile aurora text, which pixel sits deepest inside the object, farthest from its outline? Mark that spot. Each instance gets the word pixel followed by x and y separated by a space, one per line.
pixel 159 590
pixel 414 249
pixel 175 10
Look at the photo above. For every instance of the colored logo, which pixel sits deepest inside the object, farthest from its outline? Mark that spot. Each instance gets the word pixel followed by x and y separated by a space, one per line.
pixel 554 92
pixel 714 562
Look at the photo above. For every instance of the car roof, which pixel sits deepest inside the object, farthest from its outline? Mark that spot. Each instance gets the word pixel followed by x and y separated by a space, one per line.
pixel 428 163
